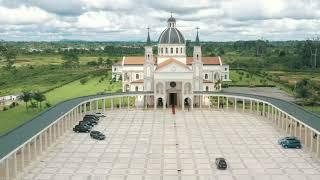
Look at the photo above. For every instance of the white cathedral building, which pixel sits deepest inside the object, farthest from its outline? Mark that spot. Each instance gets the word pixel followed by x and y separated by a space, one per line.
pixel 171 75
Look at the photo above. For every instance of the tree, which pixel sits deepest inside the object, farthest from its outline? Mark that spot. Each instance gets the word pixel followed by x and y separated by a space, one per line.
pixel 109 63
pixel 71 59
pixel 10 58
pixel 39 97
pixel 26 96
pixel 217 85
pixel 100 61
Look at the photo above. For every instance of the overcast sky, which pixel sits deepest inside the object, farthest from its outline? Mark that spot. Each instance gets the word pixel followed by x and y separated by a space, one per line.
pixel 126 20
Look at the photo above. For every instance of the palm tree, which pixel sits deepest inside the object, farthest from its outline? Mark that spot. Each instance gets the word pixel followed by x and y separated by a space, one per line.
pixel 39 97
pixel 26 96
pixel 217 85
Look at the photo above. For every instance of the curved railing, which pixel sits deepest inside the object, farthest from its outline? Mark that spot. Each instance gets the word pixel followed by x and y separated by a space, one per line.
pixel 17 138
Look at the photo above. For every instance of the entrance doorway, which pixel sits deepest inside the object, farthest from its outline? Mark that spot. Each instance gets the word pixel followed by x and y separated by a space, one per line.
pixel 173 99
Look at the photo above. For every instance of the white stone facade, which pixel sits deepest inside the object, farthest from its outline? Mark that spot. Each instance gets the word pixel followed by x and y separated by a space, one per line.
pixel 171 75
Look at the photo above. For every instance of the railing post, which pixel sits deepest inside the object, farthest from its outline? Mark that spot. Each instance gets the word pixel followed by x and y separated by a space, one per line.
pixel 243 105
pixel 104 105
pixel 111 103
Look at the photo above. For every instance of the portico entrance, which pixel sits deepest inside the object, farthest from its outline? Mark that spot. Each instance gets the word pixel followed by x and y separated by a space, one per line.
pixel 173 99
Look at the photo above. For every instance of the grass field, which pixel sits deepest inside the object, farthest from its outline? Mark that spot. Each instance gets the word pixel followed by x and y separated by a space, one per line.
pixel 54 59
pixel 13 117
pixel 244 78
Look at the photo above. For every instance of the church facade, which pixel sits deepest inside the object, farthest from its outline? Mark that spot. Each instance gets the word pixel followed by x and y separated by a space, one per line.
pixel 171 75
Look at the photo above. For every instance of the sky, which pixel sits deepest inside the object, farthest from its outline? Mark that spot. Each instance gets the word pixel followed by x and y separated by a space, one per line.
pixel 127 20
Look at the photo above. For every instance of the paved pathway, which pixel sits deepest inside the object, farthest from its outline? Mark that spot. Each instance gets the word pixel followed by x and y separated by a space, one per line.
pixel 156 145
pixel 262 91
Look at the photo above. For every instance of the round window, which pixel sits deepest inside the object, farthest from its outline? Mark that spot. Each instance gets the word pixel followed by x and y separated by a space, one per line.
pixel 173 84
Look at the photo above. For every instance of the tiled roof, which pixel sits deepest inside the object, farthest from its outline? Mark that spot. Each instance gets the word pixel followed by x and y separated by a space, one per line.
pixel 171 60
pixel 206 60
pixel 139 60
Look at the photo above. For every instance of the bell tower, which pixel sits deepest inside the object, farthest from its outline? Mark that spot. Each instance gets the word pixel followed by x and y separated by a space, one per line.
pixel 148 66
pixel 197 65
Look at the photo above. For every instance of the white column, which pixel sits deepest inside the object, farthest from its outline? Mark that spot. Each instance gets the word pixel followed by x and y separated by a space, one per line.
pixel 200 98
pixel 263 110
pixel 29 153
pixel 250 105
pixel 40 144
pixel 97 105
pixel 258 110
pixel 235 104
pixel 7 169
pixel 80 108
pixel 227 102
pixel 85 108
pixel 164 103
pixel 46 139
pixel 243 105
pixel 22 159
pixel 104 105
pixel 111 104
pixel 318 145
pixel 120 101
pixel 35 148
pixel 272 113
pixel 286 123
pixel 268 111
pixel 128 102
pixel 305 136
pixel 295 128
pixel 15 164
pixel 218 102
pixel 300 131
pixel 311 141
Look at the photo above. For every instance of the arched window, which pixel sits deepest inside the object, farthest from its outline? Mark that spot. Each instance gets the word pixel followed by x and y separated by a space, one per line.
pixel 225 77
pixel 206 76
pixel 161 50
pixel 137 88
pixel 137 76
pixel 148 56
pixel 181 50
pixel 171 50
pixel 207 88
pixel 166 50
pixel 177 50
pixel 197 56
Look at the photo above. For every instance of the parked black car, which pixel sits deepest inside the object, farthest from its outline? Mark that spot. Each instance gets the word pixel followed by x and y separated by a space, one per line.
pixel 221 163
pixel 86 123
pixel 91 116
pixel 97 135
pixel 92 120
pixel 81 128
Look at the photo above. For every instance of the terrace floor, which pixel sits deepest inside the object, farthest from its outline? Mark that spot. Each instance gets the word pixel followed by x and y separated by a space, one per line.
pixel 156 145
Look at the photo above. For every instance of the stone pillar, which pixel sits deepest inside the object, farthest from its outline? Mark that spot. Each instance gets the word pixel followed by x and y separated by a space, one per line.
pixel 22 159
pixel 200 102
pixel 250 105
pixel 182 102
pixel 263 110
pixel 35 148
pixel 300 131
pixel 90 106
pixel 128 102
pixel 286 123
pixel 40 144
pixel 164 102
pixel 104 105
pixel 15 164
pixel 311 141
pixel 235 104
pixel 111 103
pixel 272 114
pixel 85 108
pixel 46 139
pixel 97 105
pixel 243 105
pixel 305 136
pixel 218 102
pixel 7 170
pixel 227 102
pixel 318 145
pixel 258 110
pixel 120 101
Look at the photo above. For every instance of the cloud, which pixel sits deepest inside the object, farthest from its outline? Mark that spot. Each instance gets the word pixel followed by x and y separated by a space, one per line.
pixel 219 20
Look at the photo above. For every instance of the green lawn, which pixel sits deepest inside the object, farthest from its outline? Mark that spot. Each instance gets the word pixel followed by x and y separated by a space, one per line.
pixel 13 117
pixel 244 78
pixel 314 109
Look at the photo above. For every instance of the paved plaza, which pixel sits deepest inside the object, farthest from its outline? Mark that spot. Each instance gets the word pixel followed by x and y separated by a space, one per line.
pixel 156 145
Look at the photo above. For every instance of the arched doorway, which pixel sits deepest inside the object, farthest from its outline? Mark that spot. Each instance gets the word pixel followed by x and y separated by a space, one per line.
pixel 159 102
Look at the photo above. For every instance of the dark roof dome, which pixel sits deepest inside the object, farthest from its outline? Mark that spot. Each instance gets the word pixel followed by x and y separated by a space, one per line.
pixel 171 19
pixel 171 35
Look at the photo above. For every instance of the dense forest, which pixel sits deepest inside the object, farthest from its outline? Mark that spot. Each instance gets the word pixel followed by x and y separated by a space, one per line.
pixel 260 54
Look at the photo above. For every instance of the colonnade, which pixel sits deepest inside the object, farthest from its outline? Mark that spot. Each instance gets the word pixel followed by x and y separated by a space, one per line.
pixel 14 163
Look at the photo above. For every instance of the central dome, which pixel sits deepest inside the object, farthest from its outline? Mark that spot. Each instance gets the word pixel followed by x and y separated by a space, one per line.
pixel 171 35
